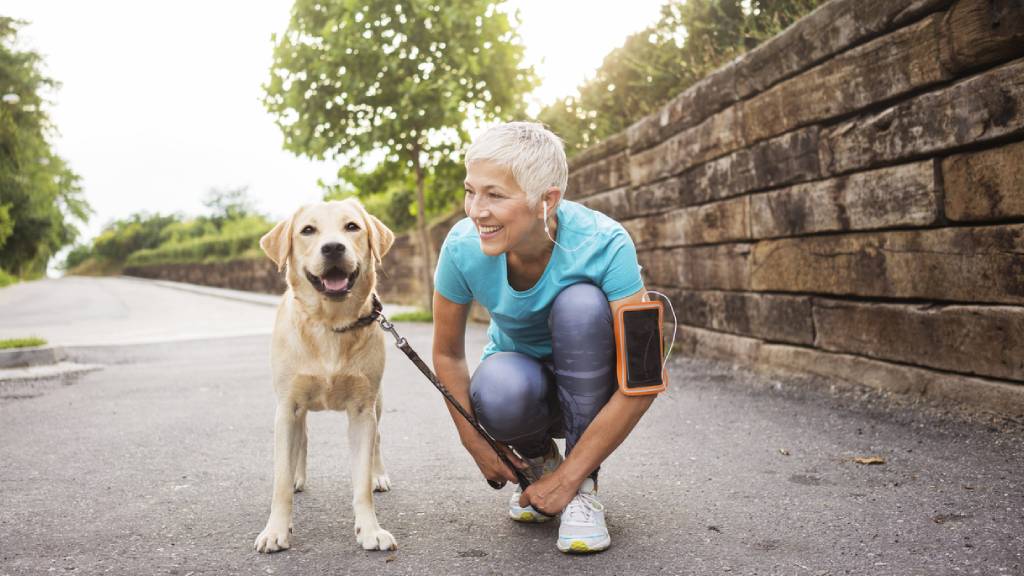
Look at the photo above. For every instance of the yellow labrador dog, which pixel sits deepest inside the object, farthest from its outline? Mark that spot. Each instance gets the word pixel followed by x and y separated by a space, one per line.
pixel 323 358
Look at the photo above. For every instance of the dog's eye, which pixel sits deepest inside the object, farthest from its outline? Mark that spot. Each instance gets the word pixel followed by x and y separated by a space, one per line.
pixel 308 230
pixel 352 227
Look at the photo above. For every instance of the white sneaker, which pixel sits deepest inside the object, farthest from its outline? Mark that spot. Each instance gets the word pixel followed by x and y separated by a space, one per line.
pixel 538 467
pixel 583 529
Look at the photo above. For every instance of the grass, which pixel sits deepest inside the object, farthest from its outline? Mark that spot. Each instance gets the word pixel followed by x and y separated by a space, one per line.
pixel 21 343
pixel 414 316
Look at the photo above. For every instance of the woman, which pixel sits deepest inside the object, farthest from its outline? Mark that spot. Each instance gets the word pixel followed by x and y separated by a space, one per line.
pixel 551 273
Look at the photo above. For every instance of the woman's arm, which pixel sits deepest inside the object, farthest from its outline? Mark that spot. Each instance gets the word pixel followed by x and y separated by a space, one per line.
pixel 611 426
pixel 449 354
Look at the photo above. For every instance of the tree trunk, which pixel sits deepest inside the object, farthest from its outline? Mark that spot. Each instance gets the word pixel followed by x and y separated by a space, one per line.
pixel 426 246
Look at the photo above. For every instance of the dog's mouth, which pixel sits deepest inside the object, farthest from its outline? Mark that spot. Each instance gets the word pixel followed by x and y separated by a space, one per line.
pixel 334 283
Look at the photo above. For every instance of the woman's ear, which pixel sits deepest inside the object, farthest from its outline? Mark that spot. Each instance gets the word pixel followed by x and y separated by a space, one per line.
pixel 277 244
pixel 549 200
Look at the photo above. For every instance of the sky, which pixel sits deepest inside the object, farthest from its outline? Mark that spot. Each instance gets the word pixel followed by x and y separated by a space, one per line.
pixel 160 101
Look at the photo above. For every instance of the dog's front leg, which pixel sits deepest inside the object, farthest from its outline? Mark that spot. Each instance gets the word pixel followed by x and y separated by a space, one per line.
pixel 277 532
pixel 362 431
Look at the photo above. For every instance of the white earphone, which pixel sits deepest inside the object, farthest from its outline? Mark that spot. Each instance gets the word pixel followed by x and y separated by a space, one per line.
pixel 547 230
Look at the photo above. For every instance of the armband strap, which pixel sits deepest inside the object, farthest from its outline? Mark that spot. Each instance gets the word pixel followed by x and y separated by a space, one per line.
pixel 640 349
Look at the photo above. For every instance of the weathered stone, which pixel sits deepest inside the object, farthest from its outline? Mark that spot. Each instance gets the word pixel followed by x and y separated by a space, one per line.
pixel 710 95
pixel 846 370
pixel 713 223
pixel 982 32
pixel 976 110
pixel 832 28
pixel 981 340
pixel 767 316
pixel 790 158
pixel 641 232
pixel 614 203
pixel 980 265
pixel 605 174
pixel 904 195
pixel 882 69
pixel 252 275
pixel 721 267
pixel 716 136
pixel 607 147
pixel 985 185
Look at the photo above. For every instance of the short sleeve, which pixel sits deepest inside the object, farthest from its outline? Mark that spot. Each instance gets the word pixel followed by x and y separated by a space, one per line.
pixel 622 276
pixel 448 279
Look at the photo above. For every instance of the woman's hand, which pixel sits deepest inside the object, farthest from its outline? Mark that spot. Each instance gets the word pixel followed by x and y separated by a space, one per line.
pixel 551 494
pixel 489 463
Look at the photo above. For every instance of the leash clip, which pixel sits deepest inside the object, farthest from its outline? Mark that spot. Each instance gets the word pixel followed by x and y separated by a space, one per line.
pixel 389 327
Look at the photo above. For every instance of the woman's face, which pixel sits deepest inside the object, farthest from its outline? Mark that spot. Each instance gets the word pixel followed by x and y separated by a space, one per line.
pixel 498 208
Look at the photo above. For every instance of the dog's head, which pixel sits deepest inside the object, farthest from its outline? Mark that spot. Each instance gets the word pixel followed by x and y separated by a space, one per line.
pixel 329 245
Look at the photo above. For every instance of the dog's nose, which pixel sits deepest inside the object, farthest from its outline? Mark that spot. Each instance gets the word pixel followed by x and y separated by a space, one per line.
pixel 332 250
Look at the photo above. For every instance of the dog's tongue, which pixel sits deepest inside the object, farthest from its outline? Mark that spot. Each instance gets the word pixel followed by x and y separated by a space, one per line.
pixel 335 284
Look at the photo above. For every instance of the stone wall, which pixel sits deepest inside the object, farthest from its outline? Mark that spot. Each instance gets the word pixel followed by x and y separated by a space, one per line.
pixel 253 275
pixel 846 200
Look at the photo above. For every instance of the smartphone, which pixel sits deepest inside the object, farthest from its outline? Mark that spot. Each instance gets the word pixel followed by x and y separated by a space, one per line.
pixel 640 349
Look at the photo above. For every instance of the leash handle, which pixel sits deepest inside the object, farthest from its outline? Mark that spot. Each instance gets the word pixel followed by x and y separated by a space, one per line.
pixel 403 345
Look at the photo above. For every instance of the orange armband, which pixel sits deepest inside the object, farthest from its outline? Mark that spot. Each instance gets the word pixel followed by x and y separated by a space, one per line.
pixel 639 349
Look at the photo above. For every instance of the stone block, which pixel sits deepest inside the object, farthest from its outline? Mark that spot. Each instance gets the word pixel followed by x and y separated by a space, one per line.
pixel 987 185
pixel 769 317
pixel 849 371
pixel 970 264
pixel 901 196
pixel 880 70
pixel 716 136
pixel 979 109
pixel 720 267
pixel 829 30
pixel 713 223
pixel 708 96
pixel 982 32
pixel 604 174
pixel 614 203
pixel 980 340
pixel 603 149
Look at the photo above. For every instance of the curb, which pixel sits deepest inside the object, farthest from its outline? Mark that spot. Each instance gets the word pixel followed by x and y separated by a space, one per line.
pixel 24 357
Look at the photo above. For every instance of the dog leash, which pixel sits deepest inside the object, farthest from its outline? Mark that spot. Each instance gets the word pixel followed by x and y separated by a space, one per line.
pixel 404 346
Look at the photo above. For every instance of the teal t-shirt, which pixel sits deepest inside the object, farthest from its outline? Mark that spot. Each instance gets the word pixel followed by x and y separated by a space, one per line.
pixel 604 255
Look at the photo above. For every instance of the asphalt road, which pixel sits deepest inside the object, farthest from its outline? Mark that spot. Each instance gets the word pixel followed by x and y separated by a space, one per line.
pixel 160 463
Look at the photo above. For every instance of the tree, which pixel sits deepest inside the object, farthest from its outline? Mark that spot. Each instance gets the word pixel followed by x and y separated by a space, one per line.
pixel 690 40
pixel 358 80
pixel 226 205
pixel 40 196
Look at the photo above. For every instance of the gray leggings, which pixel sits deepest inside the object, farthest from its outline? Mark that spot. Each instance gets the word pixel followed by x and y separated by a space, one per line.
pixel 525 402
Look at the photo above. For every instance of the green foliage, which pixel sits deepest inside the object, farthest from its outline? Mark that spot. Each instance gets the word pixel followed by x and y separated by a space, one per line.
pixel 207 249
pixel 40 197
pixel 140 231
pixel 228 205
pixel 690 40
pixel 413 316
pixel 21 343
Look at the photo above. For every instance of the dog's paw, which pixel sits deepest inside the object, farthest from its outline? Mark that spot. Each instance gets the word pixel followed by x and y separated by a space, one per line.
pixel 299 484
pixel 381 482
pixel 273 539
pixel 375 539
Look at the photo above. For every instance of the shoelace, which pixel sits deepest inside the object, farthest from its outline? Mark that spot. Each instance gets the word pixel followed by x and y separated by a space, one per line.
pixel 582 507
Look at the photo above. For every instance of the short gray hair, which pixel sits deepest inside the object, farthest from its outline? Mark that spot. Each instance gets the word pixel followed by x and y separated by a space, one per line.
pixel 534 154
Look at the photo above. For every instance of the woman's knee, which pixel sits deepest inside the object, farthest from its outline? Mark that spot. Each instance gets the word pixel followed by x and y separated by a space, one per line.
pixel 511 395
pixel 580 306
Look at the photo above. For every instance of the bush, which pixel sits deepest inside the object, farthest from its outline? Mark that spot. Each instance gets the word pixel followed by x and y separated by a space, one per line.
pixel 200 250
pixel 6 279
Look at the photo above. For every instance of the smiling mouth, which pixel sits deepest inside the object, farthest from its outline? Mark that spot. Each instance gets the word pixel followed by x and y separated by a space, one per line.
pixel 335 283
pixel 489 230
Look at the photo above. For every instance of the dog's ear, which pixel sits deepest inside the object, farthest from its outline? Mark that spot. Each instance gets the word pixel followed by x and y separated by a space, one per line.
pixel 277 243
pixel 381 237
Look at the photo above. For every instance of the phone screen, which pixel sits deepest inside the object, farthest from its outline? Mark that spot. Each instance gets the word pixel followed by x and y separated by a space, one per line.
pixel 642 333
